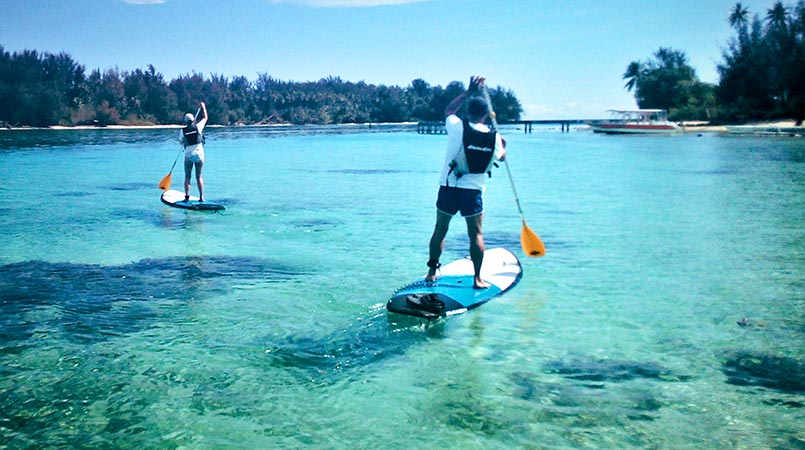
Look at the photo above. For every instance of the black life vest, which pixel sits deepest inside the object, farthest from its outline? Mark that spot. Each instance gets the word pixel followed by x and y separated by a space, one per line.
pixel 479 147
pixel 477 151
pixel 191 135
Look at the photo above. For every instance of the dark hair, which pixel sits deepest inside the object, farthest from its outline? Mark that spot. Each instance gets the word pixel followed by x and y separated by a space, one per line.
pixel 477 107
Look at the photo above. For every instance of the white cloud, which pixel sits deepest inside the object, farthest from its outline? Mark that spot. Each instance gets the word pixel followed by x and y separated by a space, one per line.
pixel 347 3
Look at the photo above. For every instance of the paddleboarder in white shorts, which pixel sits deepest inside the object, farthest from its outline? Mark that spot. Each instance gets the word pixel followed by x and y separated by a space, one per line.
pixel 472 149
pixel 190 136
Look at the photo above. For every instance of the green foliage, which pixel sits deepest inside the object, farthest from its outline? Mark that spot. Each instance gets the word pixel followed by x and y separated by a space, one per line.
pixel 764 65
pixel 761 76
pixel 39 89
pixel 669 82
pixel 45 89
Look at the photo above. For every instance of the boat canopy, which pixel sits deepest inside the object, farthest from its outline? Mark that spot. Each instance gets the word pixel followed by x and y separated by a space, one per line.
pixel 640 114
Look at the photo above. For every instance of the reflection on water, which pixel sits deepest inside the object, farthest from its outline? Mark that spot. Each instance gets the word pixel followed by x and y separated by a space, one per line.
pixel 39 138
pixel 34 138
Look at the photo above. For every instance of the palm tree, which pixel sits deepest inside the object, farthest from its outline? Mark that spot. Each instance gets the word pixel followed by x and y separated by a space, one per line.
pixel 782 48
pixel 777 16
pixel 739 17
pixel 633 75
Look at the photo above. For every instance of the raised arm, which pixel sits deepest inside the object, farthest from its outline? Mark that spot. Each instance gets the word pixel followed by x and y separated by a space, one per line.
pixel 476 83
pixel 203 121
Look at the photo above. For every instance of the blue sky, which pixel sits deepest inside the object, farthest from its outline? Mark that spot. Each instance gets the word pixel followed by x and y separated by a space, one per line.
pixel 562 59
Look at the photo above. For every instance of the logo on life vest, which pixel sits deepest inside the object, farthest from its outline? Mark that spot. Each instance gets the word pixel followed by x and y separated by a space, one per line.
pixel 479 149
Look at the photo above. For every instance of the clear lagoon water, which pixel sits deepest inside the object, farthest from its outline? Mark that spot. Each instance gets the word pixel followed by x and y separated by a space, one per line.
pixel 669 311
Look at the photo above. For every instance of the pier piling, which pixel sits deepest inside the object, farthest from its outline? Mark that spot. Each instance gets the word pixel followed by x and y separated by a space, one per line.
pixel 434 127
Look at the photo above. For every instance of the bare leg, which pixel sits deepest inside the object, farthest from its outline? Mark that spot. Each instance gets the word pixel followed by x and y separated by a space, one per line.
pixel 477 248
pixel 199 180
pixel 188 170
pixel 437 241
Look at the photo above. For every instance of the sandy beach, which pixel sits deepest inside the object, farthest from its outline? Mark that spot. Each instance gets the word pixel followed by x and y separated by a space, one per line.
pixel 694 127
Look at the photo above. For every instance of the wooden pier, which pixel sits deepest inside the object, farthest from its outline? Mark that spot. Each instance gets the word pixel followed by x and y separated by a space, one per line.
pixel 430 128
pixel 528 125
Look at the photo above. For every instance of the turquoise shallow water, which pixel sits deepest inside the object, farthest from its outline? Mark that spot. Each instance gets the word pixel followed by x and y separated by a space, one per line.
pixel 127 324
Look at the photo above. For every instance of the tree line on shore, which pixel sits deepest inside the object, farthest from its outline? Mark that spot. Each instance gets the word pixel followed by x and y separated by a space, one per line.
pixel 762 75
pixel 44 89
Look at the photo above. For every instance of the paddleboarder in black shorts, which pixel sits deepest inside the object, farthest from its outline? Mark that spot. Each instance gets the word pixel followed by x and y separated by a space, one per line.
pixel 472 149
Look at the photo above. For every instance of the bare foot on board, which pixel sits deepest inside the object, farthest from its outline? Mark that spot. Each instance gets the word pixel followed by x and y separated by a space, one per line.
pixel 480 284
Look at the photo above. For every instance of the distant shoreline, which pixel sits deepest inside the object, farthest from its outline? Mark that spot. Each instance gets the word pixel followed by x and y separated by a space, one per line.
pixel 176 127
pixel 690 126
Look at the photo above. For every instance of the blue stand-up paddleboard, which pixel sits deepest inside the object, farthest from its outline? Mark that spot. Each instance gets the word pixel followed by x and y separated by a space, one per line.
pixel 453 293
pixel 176 199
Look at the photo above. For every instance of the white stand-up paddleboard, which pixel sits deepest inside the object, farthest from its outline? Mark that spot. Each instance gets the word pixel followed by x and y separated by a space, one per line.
pixel 176 199
pixel 454 286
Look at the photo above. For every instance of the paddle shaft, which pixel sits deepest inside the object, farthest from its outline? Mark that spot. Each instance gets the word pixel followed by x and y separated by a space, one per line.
pixel 175 161
pixel 505 160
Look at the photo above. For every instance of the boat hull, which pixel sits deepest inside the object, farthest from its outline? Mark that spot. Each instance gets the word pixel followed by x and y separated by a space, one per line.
pixel 636 121
pixel 635 129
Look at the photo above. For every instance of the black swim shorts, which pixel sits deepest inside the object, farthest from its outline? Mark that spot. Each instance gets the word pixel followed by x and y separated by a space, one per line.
pixel 452 200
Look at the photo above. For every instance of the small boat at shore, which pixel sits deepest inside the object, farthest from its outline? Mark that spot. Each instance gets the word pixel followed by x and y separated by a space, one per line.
pixel 636 121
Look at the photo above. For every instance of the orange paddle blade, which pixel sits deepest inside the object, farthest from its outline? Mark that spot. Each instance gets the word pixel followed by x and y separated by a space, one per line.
pixel 532 245
pixel 165 184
